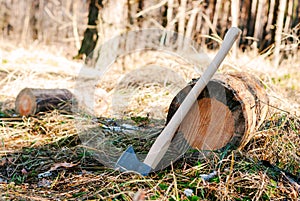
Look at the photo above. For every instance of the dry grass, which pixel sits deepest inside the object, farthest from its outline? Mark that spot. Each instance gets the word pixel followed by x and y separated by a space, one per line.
pixel 267 168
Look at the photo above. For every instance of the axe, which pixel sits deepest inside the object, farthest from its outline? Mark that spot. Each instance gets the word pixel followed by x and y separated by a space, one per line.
pixel 128 161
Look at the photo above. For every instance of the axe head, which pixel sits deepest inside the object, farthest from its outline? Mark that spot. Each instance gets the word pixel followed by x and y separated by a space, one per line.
pixel 128 161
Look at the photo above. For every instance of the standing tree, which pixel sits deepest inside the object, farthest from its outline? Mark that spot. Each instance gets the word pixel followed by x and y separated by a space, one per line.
pixel 91 33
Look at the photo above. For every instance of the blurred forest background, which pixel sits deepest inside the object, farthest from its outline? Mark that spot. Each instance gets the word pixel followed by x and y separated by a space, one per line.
pixel 266 24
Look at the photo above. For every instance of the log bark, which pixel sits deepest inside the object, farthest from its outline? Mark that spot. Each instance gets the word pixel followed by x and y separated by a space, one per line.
pixel 228 111
pixel 31 101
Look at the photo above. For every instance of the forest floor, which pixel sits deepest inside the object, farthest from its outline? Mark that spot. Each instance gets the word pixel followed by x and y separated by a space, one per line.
pixel 42 156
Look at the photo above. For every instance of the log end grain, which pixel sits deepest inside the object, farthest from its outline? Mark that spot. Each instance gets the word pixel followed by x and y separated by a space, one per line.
pixel 25 102
pixel 209 125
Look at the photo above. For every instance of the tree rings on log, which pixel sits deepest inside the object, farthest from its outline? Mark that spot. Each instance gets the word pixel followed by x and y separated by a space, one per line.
pixel 229 109
pixel 31 101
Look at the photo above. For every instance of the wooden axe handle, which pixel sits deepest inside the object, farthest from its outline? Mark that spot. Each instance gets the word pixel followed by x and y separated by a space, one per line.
pixel 163 141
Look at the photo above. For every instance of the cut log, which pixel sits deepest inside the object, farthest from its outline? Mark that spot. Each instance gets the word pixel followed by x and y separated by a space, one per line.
pixel 31 101
pixel 228 111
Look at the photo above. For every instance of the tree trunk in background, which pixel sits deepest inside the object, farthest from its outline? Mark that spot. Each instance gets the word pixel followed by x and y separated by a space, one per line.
pixel 181 21
pixel 289 16
pixel 279 28
pixel 261 27
pixel 25 28
pixel 91 33
pixel 268 27
pixel 190 27
pixel 112 21
pixel 235 11
pixel 258 23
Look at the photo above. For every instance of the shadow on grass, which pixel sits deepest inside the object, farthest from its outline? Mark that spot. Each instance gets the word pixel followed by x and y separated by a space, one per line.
pixel 25 165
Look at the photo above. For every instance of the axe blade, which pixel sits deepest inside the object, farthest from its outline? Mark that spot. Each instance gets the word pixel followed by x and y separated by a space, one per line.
pixel 128 161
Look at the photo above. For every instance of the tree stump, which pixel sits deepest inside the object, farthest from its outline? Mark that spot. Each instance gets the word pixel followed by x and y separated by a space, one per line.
pixel 228 110
pixel 31 101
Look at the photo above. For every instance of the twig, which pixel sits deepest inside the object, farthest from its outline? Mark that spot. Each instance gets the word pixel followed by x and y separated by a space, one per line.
pixel 147 10
pixel 75 27
pixel 288 176
pixel 175 183
pixel 210 25
pixel 293 182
